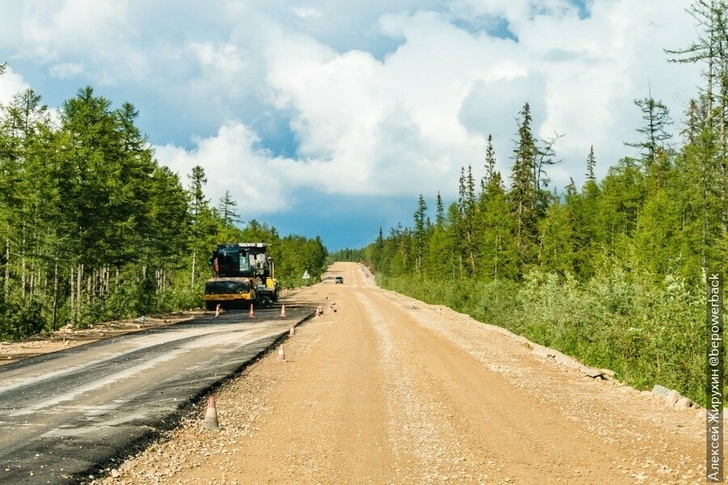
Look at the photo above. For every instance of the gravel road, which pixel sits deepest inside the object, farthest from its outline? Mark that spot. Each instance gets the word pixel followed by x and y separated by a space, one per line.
pixel 387 389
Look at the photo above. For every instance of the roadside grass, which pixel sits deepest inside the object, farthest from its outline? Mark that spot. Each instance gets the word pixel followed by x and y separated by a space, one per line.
pixel 647 333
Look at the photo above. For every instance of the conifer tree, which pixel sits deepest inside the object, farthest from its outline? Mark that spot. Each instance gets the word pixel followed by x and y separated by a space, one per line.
pixel 622 197
pixel 197 192
pixel 226 208
pixel 524 196
pixel 710 49
pixel 590 165
pixel 420 232
pixel 497 249
pixel 557 236
pixel 584 211
pixel 439 210
pixel 376 253
pixel 695 121
pixel 202 221
pixel 466 226
pixel 656 117
pixel 489 164
pixel 544 158
pixel 30 184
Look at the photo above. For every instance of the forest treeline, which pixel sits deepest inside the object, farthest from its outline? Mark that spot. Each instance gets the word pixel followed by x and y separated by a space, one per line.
pixel 611 271
pixel 94 229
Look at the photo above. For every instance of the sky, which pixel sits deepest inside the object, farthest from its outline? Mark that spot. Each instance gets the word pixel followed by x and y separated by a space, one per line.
pixel 331 117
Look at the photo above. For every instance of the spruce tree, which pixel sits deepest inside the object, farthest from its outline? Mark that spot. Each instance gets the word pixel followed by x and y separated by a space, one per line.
pixel 557 236
pixel 710 49
pixel 226 208
pixel 524 196
pixel 656 117
pixel 489 164
pixel 439 210
pixel 584 210
pixel 466 225
pixel 590 165
pixel 420 232
pixel 622 196
pixel 497 248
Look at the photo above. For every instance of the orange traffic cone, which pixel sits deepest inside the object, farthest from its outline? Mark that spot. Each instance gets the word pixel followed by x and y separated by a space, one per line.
pixel 283 311
pixel 252 312
pixel 292 331
pixel 211 415
pixel 217 310
pixel 281 354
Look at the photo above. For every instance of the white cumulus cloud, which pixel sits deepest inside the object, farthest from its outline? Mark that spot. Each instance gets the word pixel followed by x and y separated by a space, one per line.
pixel 11 83
pixel 365 97
pixel 231 162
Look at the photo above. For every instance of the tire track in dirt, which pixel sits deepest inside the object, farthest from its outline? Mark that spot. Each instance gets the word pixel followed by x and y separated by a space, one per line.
pixel 478 429
pixel 423 455
pixel 658 444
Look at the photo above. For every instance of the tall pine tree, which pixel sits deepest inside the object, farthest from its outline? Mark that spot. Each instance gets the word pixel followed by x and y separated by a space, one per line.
pixel 524 194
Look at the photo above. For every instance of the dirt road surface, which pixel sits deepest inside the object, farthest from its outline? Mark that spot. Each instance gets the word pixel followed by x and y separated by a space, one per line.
pixel 391 390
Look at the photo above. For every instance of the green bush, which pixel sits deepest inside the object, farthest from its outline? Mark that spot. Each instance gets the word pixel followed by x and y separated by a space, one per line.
pixel 175 298
pixel 21 320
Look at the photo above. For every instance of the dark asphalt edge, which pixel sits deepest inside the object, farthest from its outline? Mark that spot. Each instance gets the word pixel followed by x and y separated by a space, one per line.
pixel 102 341
pixel 158 431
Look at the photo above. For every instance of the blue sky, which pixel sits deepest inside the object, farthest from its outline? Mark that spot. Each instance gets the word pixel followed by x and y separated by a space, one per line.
pixel 330 118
